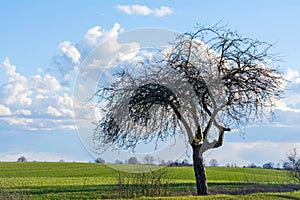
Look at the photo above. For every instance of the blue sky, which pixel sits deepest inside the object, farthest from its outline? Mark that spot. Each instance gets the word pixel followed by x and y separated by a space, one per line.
pixel 43 43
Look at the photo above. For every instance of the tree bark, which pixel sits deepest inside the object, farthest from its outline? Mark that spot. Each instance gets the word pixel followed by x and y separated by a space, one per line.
pixel 199 170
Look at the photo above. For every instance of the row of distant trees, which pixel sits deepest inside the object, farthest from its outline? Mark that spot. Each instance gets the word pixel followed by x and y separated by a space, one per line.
pixel 24 159
pixel 147 160
pixel 290 164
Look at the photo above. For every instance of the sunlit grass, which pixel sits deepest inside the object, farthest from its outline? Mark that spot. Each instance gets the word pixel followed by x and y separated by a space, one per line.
pixel 97 181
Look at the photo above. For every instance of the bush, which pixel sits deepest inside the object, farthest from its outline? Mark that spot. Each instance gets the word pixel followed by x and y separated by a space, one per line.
pixel 154 183
pixel 22 159
pixel 294 163
pixel 99 160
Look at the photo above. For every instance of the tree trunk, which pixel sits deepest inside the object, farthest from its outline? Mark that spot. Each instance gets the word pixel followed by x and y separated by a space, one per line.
pixel 199 170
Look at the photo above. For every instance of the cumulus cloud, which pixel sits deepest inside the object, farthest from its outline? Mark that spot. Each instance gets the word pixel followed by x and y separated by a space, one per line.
pixel 9 68
pixel 283 106
pixel 293 76
pixel 16 91
pixel 144 10
pixel 35 102
pixel 109 50
pixel 23 112
pixel 53 111
pixel 42 96
pixel 67 62
pixel 64 103
pixel 162 11
pixel 291 101
pixel 93 34
pixel 46 84
pixel 4 110
pixel 135 9
pixel 70 51
pixel 18 122
pixel 53 106
pixel 96 34
pixel 244 153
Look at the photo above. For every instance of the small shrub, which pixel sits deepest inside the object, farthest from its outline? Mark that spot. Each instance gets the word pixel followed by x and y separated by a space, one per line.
pixel 154 183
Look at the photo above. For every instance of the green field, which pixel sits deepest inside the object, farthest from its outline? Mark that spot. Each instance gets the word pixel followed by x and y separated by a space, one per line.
pixel 96 181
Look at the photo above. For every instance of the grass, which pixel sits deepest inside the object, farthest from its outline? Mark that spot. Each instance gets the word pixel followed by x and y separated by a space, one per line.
pixel 96 181
pixel 258 196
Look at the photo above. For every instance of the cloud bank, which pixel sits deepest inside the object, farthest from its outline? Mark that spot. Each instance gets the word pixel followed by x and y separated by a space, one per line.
pixel 144 10
pixel 43 101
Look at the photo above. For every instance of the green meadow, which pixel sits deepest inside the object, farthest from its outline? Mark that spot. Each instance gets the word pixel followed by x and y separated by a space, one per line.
pixel 38 180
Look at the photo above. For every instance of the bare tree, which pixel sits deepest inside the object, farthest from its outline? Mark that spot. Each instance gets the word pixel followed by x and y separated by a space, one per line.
pixel 22 159
pixel 162 162
pixel 293 164
pixel 133 161
pixel 185 162
pixel 287 165
pixel 269 165
pixel 149 160
pixel 252 165
pixel 209 82
pixel 213 163
pixel 117 161
pixel 99 160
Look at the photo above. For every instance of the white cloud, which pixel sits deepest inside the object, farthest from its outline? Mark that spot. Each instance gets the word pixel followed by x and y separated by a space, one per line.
pixel 293 76
pixel 162 11
pixel 56 105
pixel 34 103
pixel 53 111
pixel 125 9
pixel 59 105
pixel 36 123
pixel 10 69
pixel 24 112
pixel 244 153
pixel 40 97
pixel 135 9
pixel 4 110
pixel 96 35
pixel 108 51
pixel 139 10
pixel 68 61
pixel 293 99
pixel 19 121
pixel 70 51
pixel 85 113
pixel 93 34
pixel 16 90
pixel 282 105
pixel 46 84
pixel 64 100
pixel 144 10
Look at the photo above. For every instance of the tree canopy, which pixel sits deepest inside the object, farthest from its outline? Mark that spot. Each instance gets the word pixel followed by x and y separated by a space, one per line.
pixel 208 80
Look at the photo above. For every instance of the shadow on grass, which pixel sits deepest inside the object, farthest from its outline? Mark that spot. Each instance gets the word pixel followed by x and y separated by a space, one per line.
pixel 249 188
pixel 176 189
pixel 286 197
